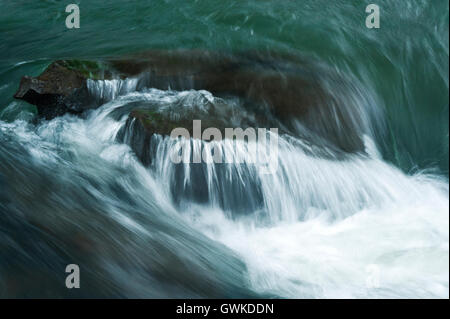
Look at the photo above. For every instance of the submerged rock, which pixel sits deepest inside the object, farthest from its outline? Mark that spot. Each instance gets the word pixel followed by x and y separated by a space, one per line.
pixel 246 90
pixel 282 83
pixel 162 117
pixel 285 87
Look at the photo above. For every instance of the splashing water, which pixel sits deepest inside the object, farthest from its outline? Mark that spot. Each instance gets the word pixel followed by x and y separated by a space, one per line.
pixel 325 225
pixel 319 227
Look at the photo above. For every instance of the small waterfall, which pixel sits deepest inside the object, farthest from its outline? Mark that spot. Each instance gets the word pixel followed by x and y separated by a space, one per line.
pixel 316 225
pixel 352 203
pixel 306 185
pixel 308 230
pixel 308 180
pixel 108 90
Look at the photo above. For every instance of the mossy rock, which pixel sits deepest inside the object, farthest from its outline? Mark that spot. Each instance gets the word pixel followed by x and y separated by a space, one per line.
pixel 155 122
pixel 89 69
pixel 294 91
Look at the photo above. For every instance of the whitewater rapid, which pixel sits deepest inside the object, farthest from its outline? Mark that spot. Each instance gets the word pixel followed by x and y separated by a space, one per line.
pixel 335 229
pixel 353 228
pixel 319 228
pixel 325 225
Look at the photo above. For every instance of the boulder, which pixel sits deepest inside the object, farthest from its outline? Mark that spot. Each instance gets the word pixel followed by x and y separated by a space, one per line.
pixel 60 89
pixel 290 89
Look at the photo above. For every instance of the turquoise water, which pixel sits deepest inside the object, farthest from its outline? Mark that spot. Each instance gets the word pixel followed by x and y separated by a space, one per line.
pixel 70 192
pixel 403 65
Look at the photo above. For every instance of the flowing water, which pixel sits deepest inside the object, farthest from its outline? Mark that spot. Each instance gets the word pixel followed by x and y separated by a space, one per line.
pixel 368 225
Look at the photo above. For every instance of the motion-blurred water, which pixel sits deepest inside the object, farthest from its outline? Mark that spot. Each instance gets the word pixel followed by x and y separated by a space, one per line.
pixel 366 226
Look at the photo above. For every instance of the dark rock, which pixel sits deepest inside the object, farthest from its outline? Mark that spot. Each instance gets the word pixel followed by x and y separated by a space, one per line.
pixel 143 123
pixel 239 196
pixel 60 89
pixel 295 91
pixel 282 86
pixel 284 83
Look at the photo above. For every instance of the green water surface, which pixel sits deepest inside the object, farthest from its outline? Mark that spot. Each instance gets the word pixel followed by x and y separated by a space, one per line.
pixel 403 65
